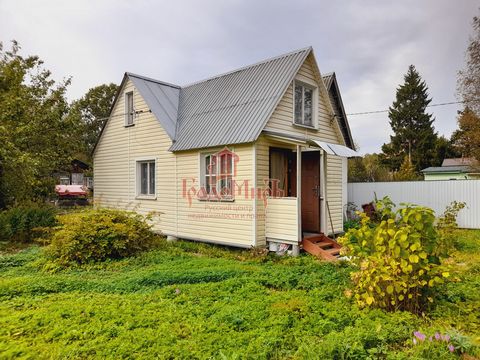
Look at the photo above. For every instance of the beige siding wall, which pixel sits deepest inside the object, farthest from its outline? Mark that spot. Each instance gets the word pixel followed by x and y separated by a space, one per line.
pixel 223 222
pixel 334 194
pixel 282 121
pixel 115 163
pixel 282 220
pixel 115 180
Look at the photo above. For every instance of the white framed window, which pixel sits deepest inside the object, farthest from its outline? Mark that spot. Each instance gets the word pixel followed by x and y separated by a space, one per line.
pixel 146 178
pixel 216 173
pixel 129 110
pixel 304 104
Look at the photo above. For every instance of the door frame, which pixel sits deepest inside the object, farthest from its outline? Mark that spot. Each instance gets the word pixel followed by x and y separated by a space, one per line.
pixel 321 189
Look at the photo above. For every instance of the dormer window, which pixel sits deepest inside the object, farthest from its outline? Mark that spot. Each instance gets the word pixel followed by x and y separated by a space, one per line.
pixel 304 103
pixel 129 111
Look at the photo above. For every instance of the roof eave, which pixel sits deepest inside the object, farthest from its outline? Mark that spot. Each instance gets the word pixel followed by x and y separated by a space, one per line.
pixel 342 109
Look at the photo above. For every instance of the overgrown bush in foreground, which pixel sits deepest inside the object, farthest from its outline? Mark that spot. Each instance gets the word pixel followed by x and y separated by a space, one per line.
pixel 398 258
pixel 97 235
pixel 26 223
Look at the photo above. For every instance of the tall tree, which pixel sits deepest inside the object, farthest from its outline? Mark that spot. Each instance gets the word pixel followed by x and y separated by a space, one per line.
pixel 376 171
pixel 91 111
pixel 467 137
pixel 367 169
pixel 468 85
pixel 414 134
pixel 356 170
pixel 36 137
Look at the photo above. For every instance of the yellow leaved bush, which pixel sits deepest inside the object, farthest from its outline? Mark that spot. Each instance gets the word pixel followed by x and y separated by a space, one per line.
pixel 398 261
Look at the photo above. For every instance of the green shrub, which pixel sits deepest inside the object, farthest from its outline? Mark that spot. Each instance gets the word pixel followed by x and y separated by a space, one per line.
pixel 398 259
pixel 26 223
pixel 351 224
pixel 447 224
pixel 97 235
pixel 448 220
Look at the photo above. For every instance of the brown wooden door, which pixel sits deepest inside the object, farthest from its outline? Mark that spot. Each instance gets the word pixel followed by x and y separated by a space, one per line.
pixel 310 191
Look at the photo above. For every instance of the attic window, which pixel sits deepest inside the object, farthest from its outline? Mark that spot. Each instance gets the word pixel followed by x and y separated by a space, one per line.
pixel 304 104
pixel 129 111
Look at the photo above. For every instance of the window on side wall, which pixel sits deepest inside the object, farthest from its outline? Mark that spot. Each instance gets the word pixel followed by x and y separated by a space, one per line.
pixel 304 104
pixel 146 178
pixel 129 111
pixel 217 176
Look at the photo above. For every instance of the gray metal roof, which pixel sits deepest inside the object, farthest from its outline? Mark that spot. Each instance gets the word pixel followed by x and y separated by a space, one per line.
pixel 327 79
pixel 233 108
pixel 447 169
pixel 162 99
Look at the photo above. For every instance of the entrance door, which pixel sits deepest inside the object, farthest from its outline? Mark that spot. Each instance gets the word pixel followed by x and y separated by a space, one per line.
pixel 311 191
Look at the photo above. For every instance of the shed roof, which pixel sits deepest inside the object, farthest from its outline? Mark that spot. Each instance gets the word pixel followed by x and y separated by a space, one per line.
pixel 447 169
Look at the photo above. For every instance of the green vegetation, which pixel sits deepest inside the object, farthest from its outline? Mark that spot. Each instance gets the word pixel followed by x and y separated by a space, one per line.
pixel 194 301
pixel 99 234
pixel 91 112
pixel 398 259
pixel 31 152
pixel 414 135
pixel 26 223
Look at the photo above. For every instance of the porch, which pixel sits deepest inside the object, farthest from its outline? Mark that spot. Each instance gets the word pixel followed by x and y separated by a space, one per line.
pixel 297 211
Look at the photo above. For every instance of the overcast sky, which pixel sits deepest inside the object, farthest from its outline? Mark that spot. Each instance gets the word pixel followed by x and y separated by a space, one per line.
pixel 369 44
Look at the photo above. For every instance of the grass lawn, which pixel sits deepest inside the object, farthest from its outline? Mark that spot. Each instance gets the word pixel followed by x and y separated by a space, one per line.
pixel 188 300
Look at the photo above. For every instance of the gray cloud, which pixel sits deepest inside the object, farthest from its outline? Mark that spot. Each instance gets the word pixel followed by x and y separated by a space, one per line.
pixel 368 43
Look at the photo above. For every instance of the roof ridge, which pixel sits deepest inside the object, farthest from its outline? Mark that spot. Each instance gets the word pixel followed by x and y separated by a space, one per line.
pixel 308 48
pixel 153 80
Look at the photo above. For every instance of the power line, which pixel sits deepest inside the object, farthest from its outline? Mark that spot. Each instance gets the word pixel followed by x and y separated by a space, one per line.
pixel 135 113
pixel 431 105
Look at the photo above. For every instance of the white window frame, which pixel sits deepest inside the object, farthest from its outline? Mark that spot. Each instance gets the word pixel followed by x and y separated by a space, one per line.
pixel 127 112
pixel 314 88
pixel 203 175
pixel 138 179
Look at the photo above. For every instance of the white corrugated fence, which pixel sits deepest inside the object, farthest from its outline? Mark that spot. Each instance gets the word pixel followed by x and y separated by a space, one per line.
pixel 434 194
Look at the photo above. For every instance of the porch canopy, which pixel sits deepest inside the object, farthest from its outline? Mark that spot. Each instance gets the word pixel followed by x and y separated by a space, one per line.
pixel 335 149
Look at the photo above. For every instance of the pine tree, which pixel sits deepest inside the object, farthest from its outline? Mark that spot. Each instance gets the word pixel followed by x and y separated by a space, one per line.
pixel 414 134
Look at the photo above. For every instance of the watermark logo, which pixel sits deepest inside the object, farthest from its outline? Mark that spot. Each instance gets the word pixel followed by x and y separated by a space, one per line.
pixel 219 181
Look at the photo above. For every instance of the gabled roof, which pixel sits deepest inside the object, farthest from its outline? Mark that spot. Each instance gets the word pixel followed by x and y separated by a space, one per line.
pixel 161 98
pixel 330 81
pixel 233 108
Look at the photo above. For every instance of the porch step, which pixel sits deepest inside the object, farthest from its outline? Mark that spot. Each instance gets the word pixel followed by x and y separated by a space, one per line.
pixel 321 246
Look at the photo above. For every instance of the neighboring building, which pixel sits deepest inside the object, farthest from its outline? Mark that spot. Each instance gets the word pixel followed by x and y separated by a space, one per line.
pixel 76 175
pixel 253 156
pixel 453 169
